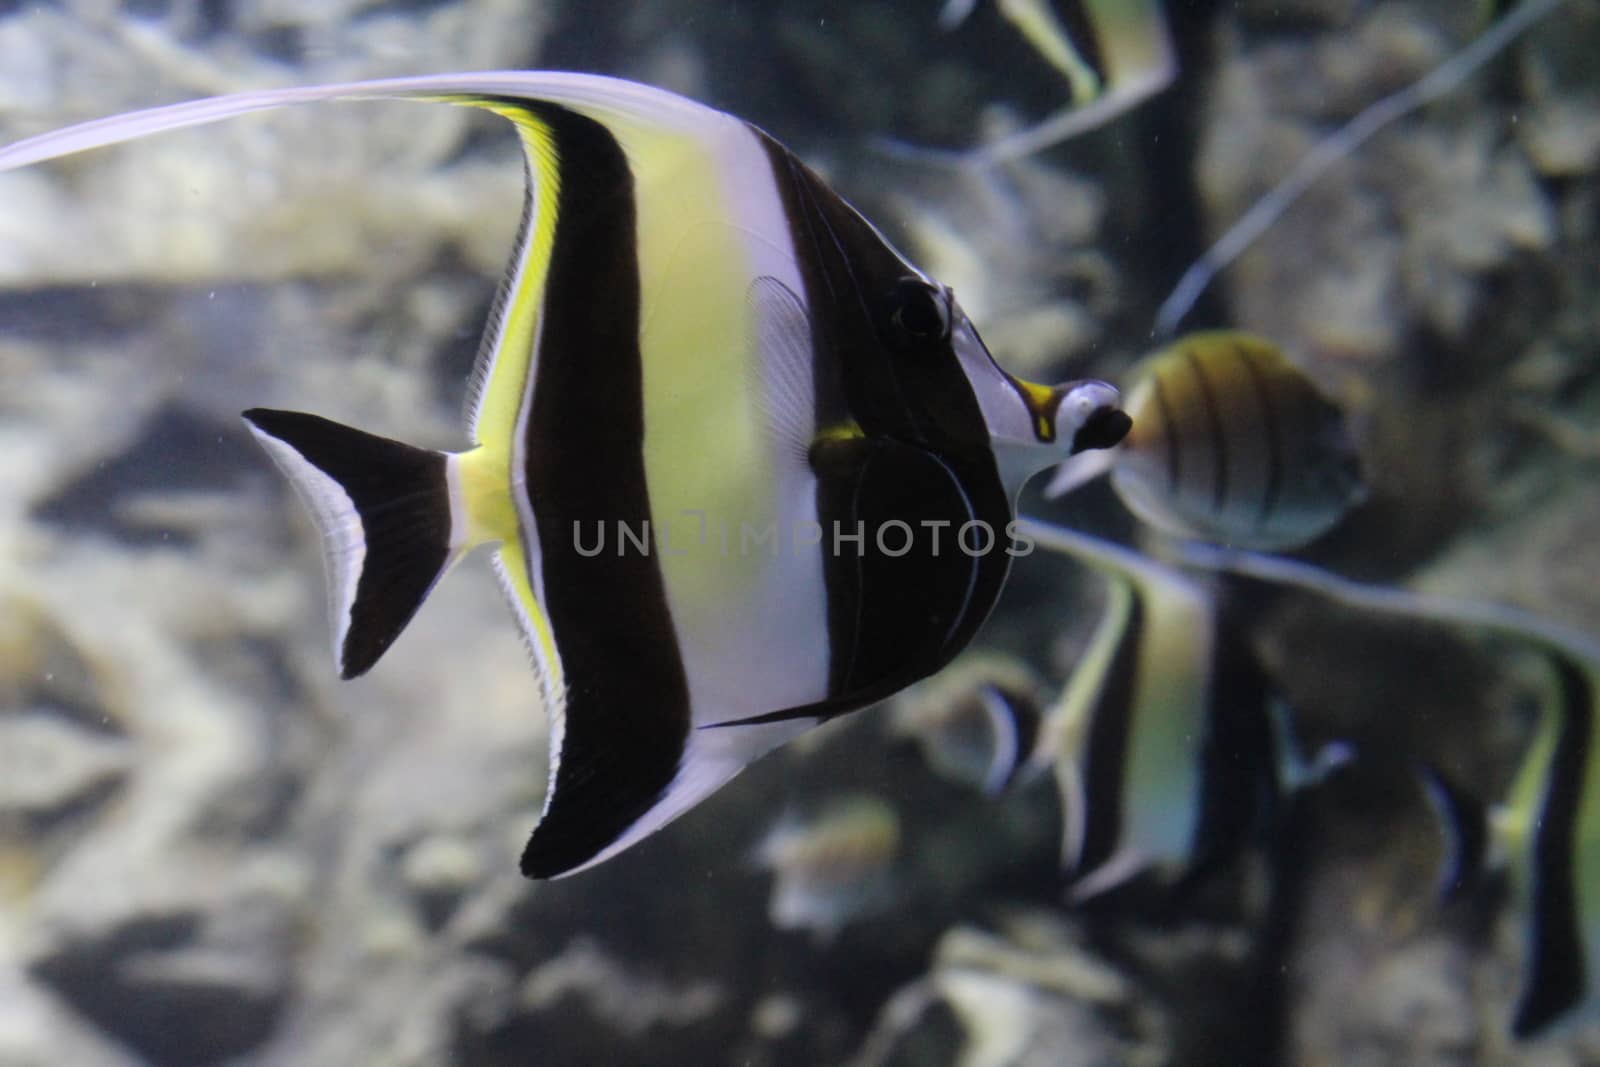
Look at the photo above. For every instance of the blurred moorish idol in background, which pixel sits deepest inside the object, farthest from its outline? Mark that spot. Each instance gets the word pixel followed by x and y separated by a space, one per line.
pixel 1113 54
pixel 976 722
pixel 1546 834
pixel 1231 443
pixel 694 333
pixel 1168 745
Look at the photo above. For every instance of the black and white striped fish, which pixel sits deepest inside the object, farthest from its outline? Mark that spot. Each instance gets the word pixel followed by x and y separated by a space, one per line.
pixel 745 467
pixel 1546 833
pixel 1168 744
pixel 1231 443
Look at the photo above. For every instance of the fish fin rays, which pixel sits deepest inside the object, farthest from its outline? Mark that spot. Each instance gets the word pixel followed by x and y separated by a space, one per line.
pixel 513 318
pixel 782 383
pixel 510 571
pixel 385 513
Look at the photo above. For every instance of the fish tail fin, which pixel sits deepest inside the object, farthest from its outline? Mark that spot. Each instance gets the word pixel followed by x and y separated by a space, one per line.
pixel 388 517
pixel 1465 826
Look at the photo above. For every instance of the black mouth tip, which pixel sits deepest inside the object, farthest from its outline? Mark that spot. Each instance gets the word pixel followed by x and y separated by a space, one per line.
pixel 1104 428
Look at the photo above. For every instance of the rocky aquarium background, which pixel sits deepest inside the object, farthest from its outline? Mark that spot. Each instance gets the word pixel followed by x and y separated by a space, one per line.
pixel 213 852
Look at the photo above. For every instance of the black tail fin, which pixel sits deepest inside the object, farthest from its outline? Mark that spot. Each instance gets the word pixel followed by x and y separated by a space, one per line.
pixel 384 511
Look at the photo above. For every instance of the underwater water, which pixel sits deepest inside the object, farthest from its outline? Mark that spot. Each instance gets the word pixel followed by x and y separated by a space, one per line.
pixel 1103 835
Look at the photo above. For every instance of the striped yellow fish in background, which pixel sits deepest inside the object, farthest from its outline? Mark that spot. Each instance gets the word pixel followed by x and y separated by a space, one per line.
pixel 832 866
pixel 1231 443
pixel 719 430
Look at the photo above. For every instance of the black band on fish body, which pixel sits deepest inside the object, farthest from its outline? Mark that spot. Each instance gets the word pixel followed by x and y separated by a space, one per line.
pixel 895 599
pixel 1169 430
pixel 628 715
pixel 1273 488
pixel 1105 754
pixel 1240 795
pixel 1216 433
pixel 1557 972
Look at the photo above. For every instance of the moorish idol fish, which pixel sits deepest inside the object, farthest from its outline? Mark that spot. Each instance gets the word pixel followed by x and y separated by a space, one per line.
pixel 803 453
pixel 1113 54
pixel 976 722
pixel 1168 745
pixel 1231 442
pixel 1546 834
pixel 832 867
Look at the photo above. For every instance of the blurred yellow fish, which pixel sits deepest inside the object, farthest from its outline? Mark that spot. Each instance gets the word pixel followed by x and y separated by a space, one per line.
pixel 1231 443
pixel 833 867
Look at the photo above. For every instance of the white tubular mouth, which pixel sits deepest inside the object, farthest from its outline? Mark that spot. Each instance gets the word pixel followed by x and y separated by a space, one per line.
pixel 1090 415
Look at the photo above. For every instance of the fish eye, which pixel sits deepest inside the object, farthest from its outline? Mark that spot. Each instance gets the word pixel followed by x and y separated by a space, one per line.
pixel 919 313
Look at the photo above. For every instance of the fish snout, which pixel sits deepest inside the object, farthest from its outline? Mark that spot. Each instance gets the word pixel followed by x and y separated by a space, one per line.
pixel 1090 415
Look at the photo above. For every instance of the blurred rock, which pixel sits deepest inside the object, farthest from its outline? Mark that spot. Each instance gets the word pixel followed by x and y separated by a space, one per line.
pixel 48 765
